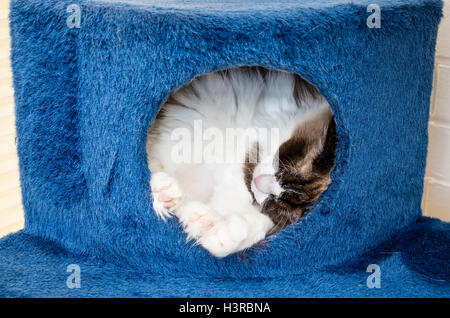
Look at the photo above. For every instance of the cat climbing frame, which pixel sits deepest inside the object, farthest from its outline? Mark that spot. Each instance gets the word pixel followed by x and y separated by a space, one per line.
pixel 87 90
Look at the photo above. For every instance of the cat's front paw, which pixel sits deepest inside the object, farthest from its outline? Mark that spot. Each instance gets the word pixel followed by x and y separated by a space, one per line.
pixel 197 218
pixel 167 194
pixel 226 236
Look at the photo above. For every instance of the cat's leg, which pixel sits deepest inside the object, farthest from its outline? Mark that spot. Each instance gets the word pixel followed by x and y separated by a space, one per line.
pixel 222 235
pixel 167 194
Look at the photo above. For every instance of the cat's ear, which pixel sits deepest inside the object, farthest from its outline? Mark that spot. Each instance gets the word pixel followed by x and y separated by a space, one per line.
pixel 325 160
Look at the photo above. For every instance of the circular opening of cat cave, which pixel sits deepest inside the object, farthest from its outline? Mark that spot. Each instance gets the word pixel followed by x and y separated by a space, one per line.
pixel 239 154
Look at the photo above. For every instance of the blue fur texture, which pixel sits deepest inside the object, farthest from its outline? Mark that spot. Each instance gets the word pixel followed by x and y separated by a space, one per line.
pixel 86 97
pixel 415 264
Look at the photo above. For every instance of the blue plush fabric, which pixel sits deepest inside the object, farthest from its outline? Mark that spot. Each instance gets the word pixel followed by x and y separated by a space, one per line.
pixel 414 265
pixel 86 97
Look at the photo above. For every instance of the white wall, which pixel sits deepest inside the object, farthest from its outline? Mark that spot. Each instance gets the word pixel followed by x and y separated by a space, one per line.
pixel 11 212
pixel 436 200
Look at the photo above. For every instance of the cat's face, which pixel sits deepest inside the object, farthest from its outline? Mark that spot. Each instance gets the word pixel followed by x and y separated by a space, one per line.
pixel 285 184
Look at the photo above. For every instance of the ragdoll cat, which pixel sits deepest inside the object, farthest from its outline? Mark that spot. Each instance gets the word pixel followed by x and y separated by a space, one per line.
pixel 239 154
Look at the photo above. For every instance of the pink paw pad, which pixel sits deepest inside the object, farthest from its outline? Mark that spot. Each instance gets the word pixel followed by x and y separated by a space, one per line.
pixel 164 198
pixel 207 224
pixel 167 201
pixel 193 217
pixel 169 205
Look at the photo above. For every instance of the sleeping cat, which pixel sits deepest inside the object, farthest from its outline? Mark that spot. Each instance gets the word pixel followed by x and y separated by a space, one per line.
pixel 239 154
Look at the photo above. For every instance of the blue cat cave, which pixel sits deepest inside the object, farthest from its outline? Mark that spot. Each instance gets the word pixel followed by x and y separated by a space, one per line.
pixel 86 95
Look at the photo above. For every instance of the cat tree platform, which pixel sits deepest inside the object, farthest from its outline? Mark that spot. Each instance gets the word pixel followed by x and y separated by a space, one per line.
pixel 86 95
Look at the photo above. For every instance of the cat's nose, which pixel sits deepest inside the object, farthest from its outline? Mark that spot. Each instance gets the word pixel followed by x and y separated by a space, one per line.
pixel 264 183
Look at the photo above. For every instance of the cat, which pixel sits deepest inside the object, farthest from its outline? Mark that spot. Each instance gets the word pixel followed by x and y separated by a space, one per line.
pixel 286 139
